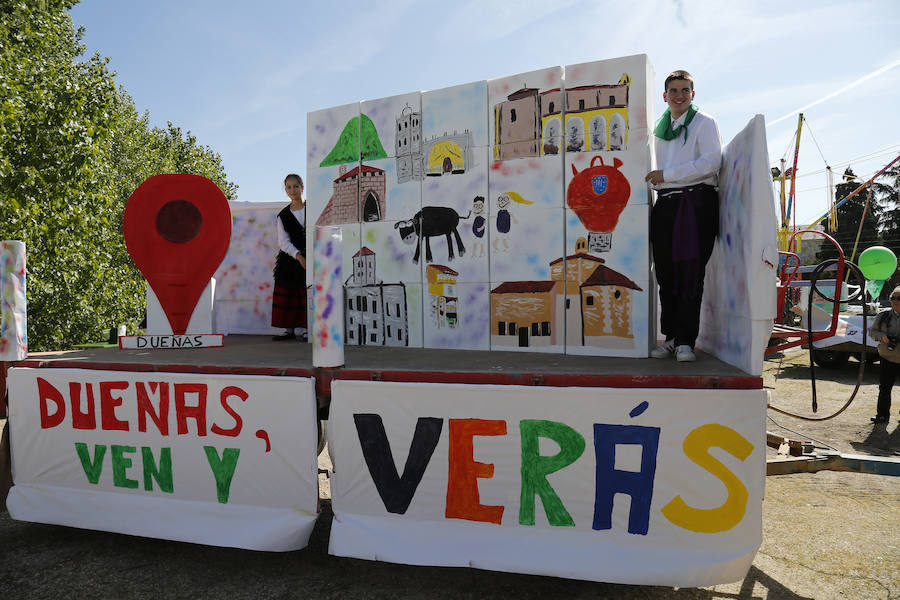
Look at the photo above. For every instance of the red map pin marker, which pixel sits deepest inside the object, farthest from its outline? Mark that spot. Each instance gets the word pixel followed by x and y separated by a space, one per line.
pixel 177 229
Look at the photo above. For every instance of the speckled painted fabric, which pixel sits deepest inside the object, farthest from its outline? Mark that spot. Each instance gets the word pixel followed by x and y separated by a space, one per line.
pixel 13 321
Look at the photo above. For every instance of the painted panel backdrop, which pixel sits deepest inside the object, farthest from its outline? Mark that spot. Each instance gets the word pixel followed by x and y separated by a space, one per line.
pixel 739 291
pixel 508 214
pixel 537 268
pixel 606 155
pixel 243 300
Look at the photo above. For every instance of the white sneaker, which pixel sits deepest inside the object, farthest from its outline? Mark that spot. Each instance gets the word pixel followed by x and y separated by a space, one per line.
pixel 685 354
pixel 665 350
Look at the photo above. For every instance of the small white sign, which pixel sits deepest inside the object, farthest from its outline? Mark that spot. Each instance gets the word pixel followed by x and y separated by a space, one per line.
pixel 156 342
pixel 599 242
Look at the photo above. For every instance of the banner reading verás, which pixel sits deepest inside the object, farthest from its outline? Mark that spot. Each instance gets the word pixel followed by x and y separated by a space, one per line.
pixel 224 460
pixel 645 486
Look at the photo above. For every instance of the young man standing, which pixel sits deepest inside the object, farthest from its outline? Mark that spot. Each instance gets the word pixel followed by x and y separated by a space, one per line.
pixel 684 221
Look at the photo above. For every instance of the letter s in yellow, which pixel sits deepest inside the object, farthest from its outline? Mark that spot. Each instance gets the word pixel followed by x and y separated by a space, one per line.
pixel 731 512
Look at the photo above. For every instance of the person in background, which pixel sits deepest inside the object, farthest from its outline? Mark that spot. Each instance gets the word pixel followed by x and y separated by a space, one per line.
pixel 886 331
pixel 289 295
pixel 684 221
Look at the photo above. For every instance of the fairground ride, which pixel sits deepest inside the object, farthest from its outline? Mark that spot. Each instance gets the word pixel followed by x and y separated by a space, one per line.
pixel 786 335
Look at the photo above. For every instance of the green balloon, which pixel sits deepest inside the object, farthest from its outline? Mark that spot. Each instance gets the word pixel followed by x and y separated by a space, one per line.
pixel 877 263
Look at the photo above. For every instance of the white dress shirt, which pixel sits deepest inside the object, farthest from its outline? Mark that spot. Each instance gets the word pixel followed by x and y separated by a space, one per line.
pixel 284 240
pixel 694 161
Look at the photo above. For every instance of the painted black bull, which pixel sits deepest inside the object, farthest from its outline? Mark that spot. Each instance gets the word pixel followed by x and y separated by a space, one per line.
pixel 430 222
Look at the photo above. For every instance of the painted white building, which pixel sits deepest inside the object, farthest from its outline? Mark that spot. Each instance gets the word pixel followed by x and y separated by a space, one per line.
pixel 376 312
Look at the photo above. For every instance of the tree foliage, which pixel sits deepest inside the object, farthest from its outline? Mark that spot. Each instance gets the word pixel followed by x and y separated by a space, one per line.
pixel 72 149
pixel 881 226
pixel 850 214
pixel 890 220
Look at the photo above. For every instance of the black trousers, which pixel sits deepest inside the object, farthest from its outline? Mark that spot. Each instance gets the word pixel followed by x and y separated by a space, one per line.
pixel 887 377
pixel 680 314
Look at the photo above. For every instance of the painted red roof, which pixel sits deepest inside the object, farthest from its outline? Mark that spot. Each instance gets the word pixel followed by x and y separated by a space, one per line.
pixel 580 255
pixel 603 275
pixel 592 87
pixel 355 171
pixel 523 287
pixel 364 252
pixel 444 269
pixel 522 93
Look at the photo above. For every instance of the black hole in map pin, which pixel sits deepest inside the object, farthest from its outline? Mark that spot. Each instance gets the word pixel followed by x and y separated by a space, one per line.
pixel 178 221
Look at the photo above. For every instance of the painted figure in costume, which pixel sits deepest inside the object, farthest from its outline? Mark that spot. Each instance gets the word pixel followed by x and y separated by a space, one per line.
pixel 479 227
pixel 886 331
pixel 616 138
pixel 684 220
pixel 289 296
pixel 505 219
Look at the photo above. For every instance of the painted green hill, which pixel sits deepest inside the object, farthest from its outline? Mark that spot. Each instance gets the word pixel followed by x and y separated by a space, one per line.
pixel 348 146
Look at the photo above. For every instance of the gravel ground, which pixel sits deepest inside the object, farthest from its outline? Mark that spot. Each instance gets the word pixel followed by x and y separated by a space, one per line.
pixel 826 535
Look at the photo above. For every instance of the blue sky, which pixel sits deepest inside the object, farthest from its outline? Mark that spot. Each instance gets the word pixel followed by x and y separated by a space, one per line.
pixel 242 76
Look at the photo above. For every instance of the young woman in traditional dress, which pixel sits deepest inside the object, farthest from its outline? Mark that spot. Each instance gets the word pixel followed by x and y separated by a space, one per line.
pixel 289 297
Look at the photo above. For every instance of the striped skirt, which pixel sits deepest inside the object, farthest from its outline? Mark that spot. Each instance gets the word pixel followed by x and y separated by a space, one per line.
pixel 288 307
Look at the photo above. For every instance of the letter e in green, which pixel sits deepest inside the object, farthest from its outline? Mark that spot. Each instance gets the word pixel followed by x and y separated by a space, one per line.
pixel 120 463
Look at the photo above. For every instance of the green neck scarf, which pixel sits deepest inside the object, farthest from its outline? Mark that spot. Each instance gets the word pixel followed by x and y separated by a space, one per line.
pixel 664 129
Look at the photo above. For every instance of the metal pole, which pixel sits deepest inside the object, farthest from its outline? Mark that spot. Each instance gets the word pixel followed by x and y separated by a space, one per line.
pixel 794 171
pixel 856 191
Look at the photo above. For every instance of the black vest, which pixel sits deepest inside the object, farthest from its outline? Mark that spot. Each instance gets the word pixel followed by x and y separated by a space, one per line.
pixel 288 272
pixel 296 232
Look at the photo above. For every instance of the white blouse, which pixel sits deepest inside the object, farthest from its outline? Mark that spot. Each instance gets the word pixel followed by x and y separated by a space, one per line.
pixel 284 240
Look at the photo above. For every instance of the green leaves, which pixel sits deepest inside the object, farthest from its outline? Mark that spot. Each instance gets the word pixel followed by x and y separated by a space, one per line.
pixel 72 150
pixel 880 220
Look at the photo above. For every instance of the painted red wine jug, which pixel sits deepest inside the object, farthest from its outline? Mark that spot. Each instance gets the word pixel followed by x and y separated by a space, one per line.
pixel 598 194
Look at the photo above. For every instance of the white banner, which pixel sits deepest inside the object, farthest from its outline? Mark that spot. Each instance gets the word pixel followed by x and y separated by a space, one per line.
pixel 224 460
pixel 639 486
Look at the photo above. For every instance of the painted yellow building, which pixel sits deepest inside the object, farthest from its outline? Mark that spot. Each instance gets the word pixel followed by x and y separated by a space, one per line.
pixel 448 153
pixel 530 123
pixel 597 299
pixel 596 118
pixel 444 303
pixel 523 314
pixel 606 304
pixel 585 303
pixel 445 157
